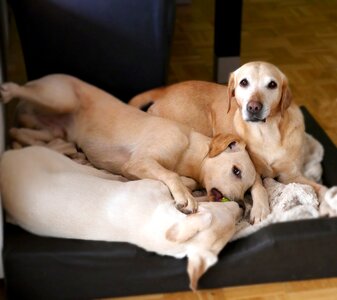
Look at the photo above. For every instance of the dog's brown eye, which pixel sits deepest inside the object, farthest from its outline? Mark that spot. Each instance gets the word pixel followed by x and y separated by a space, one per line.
pixel 236 171
pixel 244 82
pixel 272 85
pixel 231 145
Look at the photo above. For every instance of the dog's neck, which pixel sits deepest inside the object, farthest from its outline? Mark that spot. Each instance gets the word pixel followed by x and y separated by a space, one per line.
pixel 272 127
pixel 192 159
pixel 277 135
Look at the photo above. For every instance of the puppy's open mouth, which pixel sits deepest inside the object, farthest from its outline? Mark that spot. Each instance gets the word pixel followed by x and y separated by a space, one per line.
pixel 217 196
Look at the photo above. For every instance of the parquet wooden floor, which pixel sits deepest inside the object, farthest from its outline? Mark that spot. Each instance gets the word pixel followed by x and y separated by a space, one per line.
pixel 298 290
pixel 299 36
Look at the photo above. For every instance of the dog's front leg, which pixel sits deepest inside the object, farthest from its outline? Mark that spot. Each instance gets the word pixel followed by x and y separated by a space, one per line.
pixel 260 209
pixel 151 169
pixel 190 183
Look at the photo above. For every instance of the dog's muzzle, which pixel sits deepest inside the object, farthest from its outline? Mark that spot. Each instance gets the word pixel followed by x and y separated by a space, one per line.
pixel 254 111
pixel 217 196
pixel 255 119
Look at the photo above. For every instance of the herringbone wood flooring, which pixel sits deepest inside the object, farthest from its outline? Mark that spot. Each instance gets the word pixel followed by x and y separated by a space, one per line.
pixel 300 290
pixel 299 36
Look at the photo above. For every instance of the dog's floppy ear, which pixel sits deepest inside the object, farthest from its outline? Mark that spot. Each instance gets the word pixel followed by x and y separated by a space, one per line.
pixel 198 263
pixel 286 96
pixel 229 142
pixel 188 227
pixel 230 90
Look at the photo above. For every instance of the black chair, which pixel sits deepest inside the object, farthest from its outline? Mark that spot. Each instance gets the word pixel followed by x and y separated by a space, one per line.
pixel 121 46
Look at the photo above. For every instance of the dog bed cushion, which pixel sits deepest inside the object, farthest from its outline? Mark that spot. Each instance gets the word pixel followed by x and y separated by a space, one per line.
pixel 51 268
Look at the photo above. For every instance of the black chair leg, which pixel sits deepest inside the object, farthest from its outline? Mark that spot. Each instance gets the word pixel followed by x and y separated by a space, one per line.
pixel 227 38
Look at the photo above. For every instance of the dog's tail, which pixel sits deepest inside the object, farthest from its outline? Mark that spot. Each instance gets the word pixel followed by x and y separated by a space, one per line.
pixel 145 100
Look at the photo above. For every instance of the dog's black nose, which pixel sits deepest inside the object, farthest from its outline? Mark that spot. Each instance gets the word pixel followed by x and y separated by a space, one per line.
pixel 254 107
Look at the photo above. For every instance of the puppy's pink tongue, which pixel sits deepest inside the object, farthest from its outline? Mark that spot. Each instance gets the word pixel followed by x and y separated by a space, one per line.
pixel 216 194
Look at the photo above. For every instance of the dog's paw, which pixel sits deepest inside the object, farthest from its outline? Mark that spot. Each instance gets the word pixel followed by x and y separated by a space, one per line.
pixel 188 205
pixel 7 91
pixel 258 213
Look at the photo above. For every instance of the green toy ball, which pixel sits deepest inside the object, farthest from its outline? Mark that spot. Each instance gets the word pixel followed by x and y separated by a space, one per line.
pixel 224 199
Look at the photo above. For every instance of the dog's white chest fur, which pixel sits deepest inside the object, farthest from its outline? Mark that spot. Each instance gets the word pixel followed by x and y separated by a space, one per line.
pixel 265 138
pixel 262 140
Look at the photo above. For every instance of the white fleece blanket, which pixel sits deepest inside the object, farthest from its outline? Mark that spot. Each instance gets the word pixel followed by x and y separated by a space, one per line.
pixel 287 202
pixel 293 201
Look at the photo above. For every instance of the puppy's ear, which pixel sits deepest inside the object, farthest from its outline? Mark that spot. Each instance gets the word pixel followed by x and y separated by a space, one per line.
pixel 230 90
pixel 286 96
pixel 188 227
pixel 198 264
pixel 229 143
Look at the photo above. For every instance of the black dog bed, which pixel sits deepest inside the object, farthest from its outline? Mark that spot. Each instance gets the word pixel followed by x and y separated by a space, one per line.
pixel 51 268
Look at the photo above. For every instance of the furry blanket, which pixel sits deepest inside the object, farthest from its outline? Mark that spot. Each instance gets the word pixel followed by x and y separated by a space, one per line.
pixel 287 202
pixel 293 201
